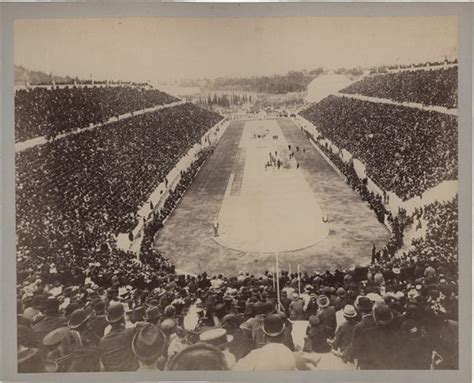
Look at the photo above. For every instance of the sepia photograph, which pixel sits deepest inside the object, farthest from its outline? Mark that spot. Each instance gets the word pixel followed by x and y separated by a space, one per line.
pixel 236 194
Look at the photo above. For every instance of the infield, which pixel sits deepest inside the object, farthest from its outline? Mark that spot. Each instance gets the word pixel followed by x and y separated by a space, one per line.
pixel 262 211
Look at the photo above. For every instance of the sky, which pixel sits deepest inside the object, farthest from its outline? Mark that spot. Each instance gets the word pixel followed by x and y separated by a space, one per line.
pixel 166 49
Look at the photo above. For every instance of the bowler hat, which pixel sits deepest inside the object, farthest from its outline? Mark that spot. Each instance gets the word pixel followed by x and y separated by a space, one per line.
pixel 382 314
pixel 273 325
pixel 148 343
pixel 115 312
pixel 78 318
pixel 362 303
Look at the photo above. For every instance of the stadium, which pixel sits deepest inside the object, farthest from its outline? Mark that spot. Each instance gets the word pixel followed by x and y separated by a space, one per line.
pixel 228 232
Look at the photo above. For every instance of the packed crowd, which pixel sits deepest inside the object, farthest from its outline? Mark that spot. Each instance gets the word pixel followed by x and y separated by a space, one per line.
pixel 425 64
pixel 117 314
pixel 400 312
pixel 84 305
pixel 76 194
pixel 436 87
pixel 405 150
pixel 51 111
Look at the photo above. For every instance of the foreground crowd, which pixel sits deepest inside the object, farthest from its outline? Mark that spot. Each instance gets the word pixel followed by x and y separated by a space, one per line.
pixel 405 150
pixel 51 111
pixel 398 313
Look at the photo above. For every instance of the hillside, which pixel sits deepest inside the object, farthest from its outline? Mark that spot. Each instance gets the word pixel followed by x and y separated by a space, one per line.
pixel 23 75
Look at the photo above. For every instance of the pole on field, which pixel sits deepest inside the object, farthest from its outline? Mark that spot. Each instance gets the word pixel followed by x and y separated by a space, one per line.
pixel 289 270
pixel 273 278
pixel 299 281
pixel 277 272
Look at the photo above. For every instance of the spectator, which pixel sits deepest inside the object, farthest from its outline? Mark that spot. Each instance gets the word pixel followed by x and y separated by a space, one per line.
pixel 148 345
pixel 116 346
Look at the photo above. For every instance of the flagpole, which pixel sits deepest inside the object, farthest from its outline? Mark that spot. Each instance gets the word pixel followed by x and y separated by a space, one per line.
pixel 277 280
pixel 273 278
pixel 299 281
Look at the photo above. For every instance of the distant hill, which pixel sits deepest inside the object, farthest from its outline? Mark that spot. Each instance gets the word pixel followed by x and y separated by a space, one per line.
pixel 293 81
pixel 23 75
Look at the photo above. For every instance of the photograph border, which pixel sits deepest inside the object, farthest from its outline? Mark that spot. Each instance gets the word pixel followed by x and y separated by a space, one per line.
pixel 11 11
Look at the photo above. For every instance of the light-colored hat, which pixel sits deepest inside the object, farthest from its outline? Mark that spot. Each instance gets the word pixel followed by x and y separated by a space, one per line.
pixel 323 301
pixel 216 337
pixel 349 311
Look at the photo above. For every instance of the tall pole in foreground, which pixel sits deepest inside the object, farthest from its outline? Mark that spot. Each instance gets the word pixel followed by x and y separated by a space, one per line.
pixel 277 273
pixel 273 278
pixel 299 281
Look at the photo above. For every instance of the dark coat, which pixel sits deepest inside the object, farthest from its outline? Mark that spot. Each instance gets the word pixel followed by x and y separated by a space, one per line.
pixel 318 336
pixel 85 359
pixel 241 344
pixel 327 316
pixel 343 335
pixel 380 348
pixel 116 350
pixel 415 353
pixel 46 325
pixel 98 325
pixel 356 351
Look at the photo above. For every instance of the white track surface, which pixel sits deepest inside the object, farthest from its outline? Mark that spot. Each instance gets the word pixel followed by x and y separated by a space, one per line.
pixel 268 210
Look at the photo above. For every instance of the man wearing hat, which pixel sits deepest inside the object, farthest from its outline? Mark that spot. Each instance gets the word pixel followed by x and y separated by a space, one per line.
pixel 86 355
pixel 285 302
pixel 317 334
pixel 200 356
pixel 274 330
pixel 115 347
pixel 274 355
pixel 364 307
pixel 152 315
pixel 343 335
pixel 312 307
pixel 148 345
pixel 380 344
pixel 50 321
pixel 326 312
pixel 242 342
pixel 341 299
pixel 58 344
pixel 416 348
pixel 37 304
pixel 296 308
pixel 28 357
pixel 219 338
pixel 98 322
